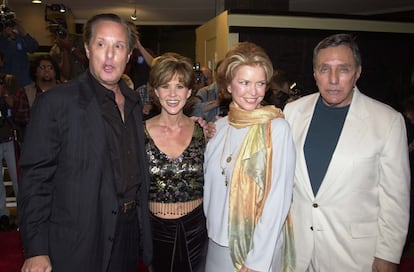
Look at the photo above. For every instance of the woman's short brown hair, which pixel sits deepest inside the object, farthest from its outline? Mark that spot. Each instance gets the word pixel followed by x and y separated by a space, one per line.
pixel 164 68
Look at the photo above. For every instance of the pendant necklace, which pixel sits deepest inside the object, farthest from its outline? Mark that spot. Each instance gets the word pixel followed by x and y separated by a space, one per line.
pixel 225 165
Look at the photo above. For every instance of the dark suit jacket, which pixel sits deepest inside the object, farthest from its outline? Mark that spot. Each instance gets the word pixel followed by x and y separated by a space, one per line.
pixel 67 202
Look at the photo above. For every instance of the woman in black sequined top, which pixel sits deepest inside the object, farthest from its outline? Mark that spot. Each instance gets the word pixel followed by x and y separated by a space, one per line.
pixel 175 147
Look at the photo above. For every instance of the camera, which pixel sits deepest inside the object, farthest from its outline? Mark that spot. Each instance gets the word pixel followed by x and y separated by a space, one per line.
pixel 7 17
pixel 58 30
pixel 199 76
pixel 61 32
pixel 196 66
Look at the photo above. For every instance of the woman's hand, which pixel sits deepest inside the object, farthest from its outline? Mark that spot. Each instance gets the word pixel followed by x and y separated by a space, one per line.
pixel 210 131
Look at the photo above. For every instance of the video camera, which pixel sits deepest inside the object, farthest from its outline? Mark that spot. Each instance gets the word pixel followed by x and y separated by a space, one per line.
pixel 56 20
pixel 7 17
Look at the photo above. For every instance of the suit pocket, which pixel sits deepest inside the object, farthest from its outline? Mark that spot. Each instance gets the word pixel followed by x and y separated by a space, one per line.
pixel 362 245
pixel 363 230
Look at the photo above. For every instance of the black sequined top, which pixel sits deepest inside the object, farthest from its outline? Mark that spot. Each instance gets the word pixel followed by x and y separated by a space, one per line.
pixel 176 179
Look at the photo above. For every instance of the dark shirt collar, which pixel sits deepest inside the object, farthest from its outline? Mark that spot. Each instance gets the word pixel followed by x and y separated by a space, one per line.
pixel 322 105
pixel 102 92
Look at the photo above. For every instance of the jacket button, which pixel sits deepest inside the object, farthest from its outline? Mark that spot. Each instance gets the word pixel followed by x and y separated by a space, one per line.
pixel 315 205
pixel 311 228
pixel 114 212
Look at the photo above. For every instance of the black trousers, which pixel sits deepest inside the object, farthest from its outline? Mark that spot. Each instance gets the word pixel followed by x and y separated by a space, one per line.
pixel 125 248
pixel 180 245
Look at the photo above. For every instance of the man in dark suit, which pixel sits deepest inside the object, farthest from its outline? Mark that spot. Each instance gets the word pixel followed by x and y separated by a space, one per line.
pixel 83 199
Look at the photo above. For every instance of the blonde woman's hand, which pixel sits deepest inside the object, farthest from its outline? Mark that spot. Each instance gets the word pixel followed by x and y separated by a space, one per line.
pixel 209 128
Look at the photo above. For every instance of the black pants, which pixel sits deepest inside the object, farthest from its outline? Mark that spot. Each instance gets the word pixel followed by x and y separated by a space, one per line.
pixel 125 249
pixel 180 244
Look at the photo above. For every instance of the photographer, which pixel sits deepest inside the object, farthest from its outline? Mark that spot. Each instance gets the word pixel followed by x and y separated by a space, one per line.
pixel 8 133
pixel 68 52
pixel 15 43
pixel 138 66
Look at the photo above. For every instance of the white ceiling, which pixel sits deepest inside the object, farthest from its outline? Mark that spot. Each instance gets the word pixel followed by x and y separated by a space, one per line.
pixel 194 12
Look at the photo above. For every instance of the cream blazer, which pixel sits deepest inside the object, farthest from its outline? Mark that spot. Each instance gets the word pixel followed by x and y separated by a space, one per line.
pixel 362 207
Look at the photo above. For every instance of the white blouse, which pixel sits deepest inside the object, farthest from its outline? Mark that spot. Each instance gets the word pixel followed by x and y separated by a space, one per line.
pixel 267 237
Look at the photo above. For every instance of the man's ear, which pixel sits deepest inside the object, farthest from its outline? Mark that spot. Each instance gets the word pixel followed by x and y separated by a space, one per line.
pixel 86 50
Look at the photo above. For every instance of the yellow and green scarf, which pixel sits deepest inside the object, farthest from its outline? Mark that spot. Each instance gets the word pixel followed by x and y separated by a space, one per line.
pixel 251 182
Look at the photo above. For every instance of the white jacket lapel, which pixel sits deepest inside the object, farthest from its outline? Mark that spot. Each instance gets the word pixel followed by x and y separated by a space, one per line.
pixel 348 144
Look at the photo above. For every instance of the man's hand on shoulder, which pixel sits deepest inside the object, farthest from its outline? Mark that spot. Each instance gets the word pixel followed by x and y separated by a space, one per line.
pixel 37 264
pixel 209 128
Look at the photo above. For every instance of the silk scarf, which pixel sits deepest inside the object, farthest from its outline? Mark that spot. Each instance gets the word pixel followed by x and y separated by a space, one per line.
pixel 251 180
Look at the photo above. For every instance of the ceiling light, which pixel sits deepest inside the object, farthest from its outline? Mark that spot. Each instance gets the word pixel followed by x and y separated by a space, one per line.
pixel 62 9
pixel 134 15
pixel 36 1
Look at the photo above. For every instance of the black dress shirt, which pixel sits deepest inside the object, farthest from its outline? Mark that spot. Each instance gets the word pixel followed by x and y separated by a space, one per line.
pixel 122 139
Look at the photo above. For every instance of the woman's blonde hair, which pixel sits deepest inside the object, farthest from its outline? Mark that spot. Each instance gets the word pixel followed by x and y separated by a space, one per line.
pixel 243 53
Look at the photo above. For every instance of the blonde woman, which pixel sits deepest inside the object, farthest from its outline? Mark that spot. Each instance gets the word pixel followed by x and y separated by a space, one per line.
pixel 249 167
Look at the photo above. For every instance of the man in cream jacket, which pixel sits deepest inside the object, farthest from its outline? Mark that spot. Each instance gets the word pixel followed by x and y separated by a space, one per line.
pixel 351 195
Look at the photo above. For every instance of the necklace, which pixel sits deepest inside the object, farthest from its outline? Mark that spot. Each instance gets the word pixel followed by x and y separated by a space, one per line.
pixel 225 165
